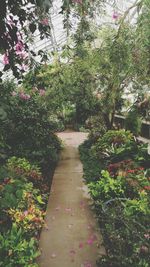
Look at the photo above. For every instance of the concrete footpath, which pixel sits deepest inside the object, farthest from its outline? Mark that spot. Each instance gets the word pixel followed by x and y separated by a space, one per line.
pixel 71 237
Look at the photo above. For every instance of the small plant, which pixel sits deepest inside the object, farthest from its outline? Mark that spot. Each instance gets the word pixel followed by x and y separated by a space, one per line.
pixel 107 188
pixel 16 250
pixel 22 167
pixel 112 142
pixel 31 220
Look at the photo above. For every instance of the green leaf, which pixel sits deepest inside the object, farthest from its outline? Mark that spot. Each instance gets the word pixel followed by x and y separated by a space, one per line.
pixel 39 199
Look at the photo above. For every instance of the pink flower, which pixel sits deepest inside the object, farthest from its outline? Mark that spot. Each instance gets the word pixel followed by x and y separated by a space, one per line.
pixel 19 47
pixel 21 95
pixel 81 245
pixel 22 55
pixel 45 22
pixel 115 15
pixel 42 92
pixel 147 236
pixel 87 264
pixel 25 212
pixel 5 59
pixel 90 241
pixel 24 96
pixel 20 50
pixel 10 21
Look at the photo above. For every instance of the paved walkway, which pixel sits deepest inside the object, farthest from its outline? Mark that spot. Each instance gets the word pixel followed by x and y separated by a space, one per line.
pixel 71 238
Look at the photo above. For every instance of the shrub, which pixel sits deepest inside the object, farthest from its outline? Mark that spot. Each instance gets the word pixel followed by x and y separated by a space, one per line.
pixel 27 131
pixel 120 196
pixel 22 209
pixel 97 127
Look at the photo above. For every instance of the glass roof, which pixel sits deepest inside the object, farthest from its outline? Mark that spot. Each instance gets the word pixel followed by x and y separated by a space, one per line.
pixel 58 33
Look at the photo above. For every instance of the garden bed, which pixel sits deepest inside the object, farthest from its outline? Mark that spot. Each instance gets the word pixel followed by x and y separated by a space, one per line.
pixel 117 174
pixel 28 156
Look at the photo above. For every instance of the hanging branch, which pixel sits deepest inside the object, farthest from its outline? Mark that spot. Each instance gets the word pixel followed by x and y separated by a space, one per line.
pixel 137 4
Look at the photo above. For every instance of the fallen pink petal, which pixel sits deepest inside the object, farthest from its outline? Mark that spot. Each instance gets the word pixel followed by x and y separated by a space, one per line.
pixel 90 241
pixel 87 264
pixel 81 245
pixel 72 252
pixel 68 209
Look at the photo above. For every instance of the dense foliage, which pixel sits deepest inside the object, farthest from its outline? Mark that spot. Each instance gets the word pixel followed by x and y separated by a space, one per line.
pixel 117 174
pixel 23 197
pixel 19 21
pixel 84 86
pixel 28 155
pixel 25 128
pixel 69 87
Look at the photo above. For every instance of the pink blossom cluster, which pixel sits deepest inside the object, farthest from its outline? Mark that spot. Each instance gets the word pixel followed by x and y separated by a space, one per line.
pixel 19 47
pixel 147 236
pixel 115 15
pixel 10 21
pixel 45 22
pixel 24 96
pixel 20 50
pixel 5 59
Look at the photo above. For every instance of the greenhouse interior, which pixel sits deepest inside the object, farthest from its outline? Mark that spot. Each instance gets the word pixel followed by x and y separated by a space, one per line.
pixel 75 133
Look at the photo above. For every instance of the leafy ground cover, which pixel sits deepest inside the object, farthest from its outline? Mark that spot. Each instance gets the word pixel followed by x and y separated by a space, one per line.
pixel 29 152
pixel 117 174
pixel 23 198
